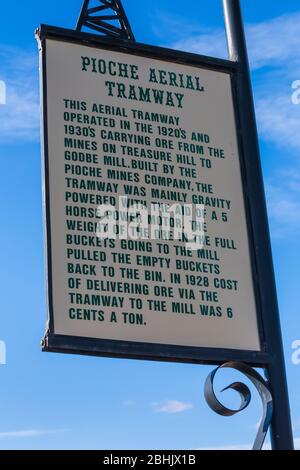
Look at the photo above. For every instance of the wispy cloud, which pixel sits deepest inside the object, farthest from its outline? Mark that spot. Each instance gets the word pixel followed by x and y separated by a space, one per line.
pixel 210 42
pixel 278 119
pixel 283 199
pixel 20 115
pixel 275 42
pixel 26 433
pixel 271 43
pixel 171 406
pixel 267 446
pixel 174 26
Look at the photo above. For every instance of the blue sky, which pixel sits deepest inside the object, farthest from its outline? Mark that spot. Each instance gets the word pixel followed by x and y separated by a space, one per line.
pixel 59 401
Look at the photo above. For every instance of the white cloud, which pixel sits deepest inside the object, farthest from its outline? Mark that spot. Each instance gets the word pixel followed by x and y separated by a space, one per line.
pixel 283 200
pixel 174 25
pixel 278 119
pixel 274 42
pixel 171 406
pixel 271 43
pixel 30 433
pixel 267 446
pixel 20 115
pixel 211 43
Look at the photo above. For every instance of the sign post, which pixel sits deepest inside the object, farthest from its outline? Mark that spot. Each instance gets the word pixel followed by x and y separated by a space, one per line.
pixel 281 429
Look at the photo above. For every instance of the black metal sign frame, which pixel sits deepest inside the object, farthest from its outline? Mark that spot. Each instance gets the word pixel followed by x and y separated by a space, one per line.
pixel 130 349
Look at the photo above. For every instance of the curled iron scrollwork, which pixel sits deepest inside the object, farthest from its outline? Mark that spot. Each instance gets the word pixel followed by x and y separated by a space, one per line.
pixel 261 386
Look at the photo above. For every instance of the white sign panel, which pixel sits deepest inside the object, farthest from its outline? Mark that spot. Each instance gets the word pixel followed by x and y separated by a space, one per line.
pixel 125 129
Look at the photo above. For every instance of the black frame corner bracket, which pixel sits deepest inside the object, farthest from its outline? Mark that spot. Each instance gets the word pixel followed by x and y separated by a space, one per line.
pixel 107 17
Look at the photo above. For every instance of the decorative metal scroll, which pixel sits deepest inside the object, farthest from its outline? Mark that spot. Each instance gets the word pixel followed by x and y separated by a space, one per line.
pixel 107 17
pixel 260 384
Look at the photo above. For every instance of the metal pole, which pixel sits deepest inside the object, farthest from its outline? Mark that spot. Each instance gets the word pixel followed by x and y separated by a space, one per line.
pixel 281 430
